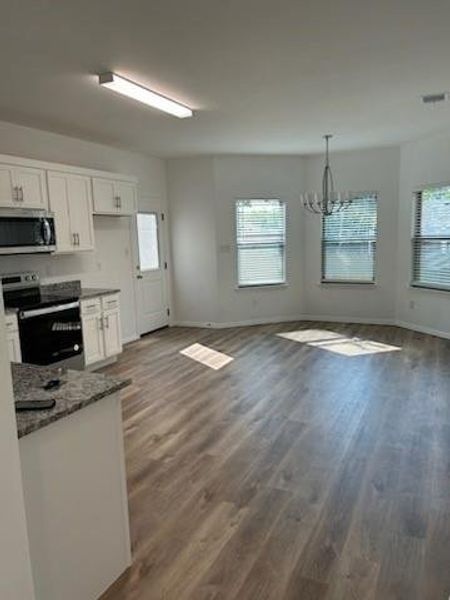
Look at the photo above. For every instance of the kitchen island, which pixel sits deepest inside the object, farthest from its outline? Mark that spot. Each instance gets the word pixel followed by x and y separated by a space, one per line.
pixel 73 473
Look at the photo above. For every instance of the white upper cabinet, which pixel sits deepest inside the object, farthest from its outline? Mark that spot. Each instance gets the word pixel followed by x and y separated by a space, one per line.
pixel 80 209
pixel 8 196
pixel 70 201
pixel 126 193
pixel 114 197
pixel 22 187
pixel 59 205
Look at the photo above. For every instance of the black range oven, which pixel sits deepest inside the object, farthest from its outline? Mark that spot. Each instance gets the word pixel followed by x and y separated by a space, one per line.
pixel 51 334
pixel 49 325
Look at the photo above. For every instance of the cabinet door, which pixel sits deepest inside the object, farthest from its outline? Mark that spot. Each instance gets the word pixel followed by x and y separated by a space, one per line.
pixel 103 193
pixel 7 192
pixel 59 205
pixel 13 341
pixel 94 349
pixel 112 333
pixel 126 194
pixel 31 183
pixel 80 209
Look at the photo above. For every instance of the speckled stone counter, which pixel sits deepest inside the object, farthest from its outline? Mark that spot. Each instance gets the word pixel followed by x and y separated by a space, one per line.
pixel 78 389
pixel 73 288
pixel 95 292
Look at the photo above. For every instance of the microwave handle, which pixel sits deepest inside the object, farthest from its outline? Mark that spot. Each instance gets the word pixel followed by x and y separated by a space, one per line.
pixel 46 232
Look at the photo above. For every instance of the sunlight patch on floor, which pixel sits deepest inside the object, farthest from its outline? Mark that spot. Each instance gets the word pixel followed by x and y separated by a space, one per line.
pixel 207 356
pixel 338 343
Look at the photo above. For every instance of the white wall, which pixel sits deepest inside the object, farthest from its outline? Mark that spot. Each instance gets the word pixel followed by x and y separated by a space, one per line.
pixel 193 240
pixel 358 171
pixel 15 568
pixel 112 263
pixel 202 192
pixel 241 177
pixel 422 163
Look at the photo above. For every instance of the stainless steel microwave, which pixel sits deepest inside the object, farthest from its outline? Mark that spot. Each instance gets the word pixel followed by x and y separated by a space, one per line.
pixel 26 232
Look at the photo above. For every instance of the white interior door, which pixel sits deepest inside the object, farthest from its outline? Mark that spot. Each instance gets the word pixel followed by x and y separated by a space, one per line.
pixel 151 295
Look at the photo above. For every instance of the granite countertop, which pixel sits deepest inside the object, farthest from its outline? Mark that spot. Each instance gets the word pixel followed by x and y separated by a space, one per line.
pixel 78 389
pixel 73 288
pixel 94 292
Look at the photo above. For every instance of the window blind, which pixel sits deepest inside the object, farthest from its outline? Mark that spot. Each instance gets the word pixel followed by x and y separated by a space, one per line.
pixel 349 240
pixel 261 242
pixel 431 240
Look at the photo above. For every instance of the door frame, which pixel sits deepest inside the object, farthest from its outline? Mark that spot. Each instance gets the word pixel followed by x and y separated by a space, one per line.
pixel 151 205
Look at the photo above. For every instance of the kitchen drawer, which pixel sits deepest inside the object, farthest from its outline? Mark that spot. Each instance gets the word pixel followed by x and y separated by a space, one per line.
pixel 110 302
pixel 11 322
pixel 91 306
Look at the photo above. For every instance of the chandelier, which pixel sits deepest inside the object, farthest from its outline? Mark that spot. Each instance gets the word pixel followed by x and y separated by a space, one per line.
pixel 329 201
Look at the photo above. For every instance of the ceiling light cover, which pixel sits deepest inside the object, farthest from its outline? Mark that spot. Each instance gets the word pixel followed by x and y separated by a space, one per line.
pixel 123 86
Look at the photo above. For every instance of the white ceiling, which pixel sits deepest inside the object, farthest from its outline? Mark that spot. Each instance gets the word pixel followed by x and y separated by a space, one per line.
pixel 264 76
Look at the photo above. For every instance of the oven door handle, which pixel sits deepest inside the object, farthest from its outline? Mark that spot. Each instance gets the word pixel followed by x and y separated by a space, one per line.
pixel 37 312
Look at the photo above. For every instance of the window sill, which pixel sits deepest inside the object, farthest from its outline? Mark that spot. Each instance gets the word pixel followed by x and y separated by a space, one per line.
pixel 268 286
pixel 427 288
pixel 348 284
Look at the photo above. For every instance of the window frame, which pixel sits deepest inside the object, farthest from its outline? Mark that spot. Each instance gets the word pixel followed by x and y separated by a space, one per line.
pixel 246 286
pixel 351 282
pixel 414 283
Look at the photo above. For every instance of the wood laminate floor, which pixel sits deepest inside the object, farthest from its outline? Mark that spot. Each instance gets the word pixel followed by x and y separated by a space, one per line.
pixel 310 467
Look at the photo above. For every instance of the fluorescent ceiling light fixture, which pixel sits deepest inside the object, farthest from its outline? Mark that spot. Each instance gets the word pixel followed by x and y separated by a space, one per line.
pixel 123 86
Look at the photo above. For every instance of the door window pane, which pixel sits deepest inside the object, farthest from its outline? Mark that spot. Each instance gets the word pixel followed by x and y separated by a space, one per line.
pixel 147 229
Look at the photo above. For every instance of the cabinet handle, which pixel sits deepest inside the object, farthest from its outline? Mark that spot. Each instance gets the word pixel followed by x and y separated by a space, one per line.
pixel 78 239
pixel 120 202
pixel 100 323
pixel 106 322
pixel 21 193
pixel 15 194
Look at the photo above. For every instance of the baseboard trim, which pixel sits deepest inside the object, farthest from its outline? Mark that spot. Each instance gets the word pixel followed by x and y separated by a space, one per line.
pixel 130 339
pixel 356 320
pixel 310 318
pixel 422 329
pixel 245 323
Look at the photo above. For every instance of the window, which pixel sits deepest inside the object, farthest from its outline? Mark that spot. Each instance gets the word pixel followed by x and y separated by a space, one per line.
pixel 349 239
pixel 261 242
pixel 431 241
pixel 147 229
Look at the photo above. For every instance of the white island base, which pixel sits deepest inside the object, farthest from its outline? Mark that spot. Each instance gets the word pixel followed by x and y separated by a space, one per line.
pixel 76 502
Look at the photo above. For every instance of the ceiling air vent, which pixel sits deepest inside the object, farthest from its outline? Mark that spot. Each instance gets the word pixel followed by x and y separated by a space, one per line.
pixel 435 98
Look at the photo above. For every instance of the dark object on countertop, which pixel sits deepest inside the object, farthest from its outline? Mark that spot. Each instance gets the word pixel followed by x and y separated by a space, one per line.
pixel 52 384
pixel 35 404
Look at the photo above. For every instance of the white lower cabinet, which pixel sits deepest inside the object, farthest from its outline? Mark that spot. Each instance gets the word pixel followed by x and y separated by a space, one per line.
pixel 102 335
pixel 12 338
